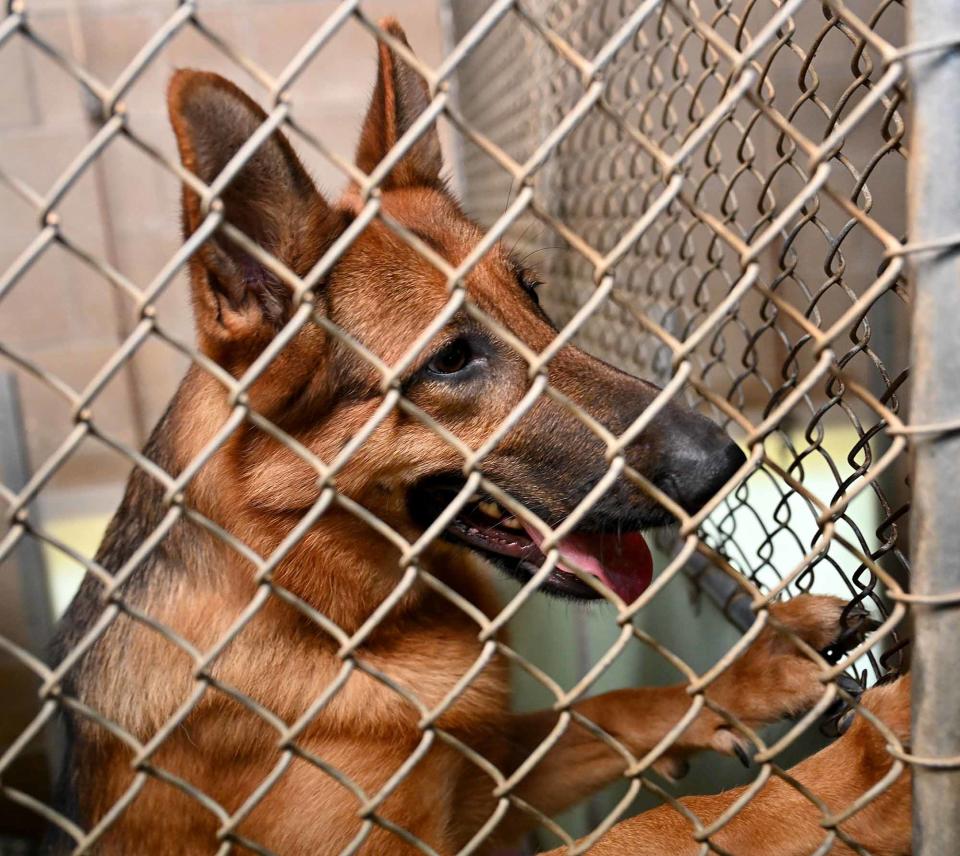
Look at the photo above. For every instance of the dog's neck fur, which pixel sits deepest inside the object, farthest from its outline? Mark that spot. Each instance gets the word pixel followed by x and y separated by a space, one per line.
pixel 198 586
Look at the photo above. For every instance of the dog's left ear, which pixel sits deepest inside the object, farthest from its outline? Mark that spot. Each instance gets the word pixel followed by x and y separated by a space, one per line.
pixel 399 97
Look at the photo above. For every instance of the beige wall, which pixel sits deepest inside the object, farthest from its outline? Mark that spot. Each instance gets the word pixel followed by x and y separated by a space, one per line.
pixel 125 209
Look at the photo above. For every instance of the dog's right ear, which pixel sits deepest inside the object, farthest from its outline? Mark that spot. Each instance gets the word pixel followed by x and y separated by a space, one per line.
pixel 237 300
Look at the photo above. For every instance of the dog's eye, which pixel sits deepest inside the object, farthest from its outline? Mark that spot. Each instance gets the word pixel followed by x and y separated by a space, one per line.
pixel 530 285
pixel 452 358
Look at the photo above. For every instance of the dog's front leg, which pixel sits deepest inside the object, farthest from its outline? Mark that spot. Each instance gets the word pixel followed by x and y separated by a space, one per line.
pixel 770 680
pixel 779 820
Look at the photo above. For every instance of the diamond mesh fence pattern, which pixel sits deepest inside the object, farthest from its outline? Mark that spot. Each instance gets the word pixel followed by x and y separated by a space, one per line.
pixel 712 193
pixel 745 178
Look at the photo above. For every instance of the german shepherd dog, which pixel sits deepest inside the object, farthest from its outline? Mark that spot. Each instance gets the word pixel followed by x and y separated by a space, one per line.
pixel 271 673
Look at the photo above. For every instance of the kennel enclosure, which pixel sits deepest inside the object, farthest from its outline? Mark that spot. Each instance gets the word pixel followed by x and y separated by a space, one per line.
pixel 752 202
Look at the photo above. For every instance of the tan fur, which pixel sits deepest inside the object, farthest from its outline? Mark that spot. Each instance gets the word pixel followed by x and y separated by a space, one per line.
pixel 779 820
pixel 382 293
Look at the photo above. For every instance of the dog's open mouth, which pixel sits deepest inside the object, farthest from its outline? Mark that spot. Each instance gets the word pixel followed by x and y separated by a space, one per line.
pixel 619 559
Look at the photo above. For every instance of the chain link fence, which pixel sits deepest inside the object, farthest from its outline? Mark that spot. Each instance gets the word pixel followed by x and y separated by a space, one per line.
pixel 670 88
pixel 714 196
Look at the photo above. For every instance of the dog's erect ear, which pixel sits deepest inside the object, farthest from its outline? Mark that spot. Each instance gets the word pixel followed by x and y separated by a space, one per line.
pixel 271 200
pixel 399 97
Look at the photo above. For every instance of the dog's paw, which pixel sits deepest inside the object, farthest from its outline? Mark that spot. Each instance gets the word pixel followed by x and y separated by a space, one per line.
pixel 774 678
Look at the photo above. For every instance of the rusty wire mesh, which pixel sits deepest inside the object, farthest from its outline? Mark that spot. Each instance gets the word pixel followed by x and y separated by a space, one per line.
pixel 710 200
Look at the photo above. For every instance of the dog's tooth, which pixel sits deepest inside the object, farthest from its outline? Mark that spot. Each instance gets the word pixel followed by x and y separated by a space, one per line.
pixel 511 523
pixel 490 508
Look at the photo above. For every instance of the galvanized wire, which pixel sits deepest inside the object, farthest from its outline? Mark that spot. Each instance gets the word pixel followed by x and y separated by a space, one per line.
pixel 703 196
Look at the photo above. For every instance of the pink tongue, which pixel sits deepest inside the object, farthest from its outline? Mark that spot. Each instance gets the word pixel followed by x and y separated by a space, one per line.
pixel 623 562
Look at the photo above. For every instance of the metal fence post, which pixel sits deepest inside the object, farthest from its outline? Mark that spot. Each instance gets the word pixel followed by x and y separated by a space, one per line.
pixel 934 210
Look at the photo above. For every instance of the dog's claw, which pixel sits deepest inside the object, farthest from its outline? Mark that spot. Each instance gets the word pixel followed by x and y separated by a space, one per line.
pixel 857 625
pixel 741 753
pixel 844 722
pixel 838 716
pixel 859 617
pixel 850 685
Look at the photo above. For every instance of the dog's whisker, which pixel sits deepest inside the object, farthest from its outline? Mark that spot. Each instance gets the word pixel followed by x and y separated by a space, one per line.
pixel 541 250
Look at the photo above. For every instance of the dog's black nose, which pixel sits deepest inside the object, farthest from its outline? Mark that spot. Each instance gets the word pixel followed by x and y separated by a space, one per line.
pixel 701 459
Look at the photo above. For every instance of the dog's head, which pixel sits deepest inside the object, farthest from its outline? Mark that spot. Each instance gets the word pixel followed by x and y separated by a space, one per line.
pixel 468 380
